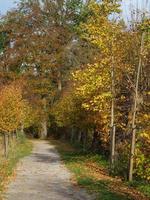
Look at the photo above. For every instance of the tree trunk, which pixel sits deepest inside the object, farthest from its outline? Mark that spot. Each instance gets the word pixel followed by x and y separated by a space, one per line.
pixel 79 136
pixel 95 141
pixel 59 82
pixel 43 133
pixel 13 137
pixel 133 139
pixel 84 140
pixel 112 125
pixel 72 135
pixel 22 129
pixel 5 145
pixel 9 139
pixel 112 159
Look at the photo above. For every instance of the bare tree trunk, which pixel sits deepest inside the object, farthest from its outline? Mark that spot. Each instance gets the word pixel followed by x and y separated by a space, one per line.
pixel 22 129
pixel 112 125
pixel 95 140
pixel 79 136
pixel 9 139
pixel 84 140
pixel 72 135
pixel 59 82
pixel 133 140
pixel 13 137
pixel 5 145
pixel 43 133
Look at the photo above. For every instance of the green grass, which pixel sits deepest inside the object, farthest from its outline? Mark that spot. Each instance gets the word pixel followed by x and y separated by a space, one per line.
pixel 79 163
pixel 142 186
pixel 18 150
pixel 100 187
pixel 76 160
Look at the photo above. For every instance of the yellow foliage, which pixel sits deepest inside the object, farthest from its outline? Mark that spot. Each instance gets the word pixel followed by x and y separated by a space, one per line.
pixel 13 109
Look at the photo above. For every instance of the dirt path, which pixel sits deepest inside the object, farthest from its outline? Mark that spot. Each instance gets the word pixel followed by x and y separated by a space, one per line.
pixel 42 176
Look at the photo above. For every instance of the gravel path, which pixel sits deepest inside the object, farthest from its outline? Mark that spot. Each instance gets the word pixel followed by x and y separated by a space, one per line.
pixel 42 176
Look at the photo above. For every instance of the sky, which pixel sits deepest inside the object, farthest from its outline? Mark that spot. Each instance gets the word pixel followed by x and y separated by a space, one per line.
pixel 6 5
pixel 127 5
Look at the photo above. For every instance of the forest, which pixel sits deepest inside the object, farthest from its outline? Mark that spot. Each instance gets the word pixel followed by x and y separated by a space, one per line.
pixel 76 71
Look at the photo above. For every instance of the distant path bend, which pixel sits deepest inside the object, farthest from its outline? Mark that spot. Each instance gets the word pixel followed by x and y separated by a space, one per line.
pixel 42 176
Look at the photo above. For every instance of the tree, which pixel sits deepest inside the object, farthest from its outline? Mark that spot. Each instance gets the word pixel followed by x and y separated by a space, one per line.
pixel 135 105
pixel 13 111
pixel 41 37
pixel 102 32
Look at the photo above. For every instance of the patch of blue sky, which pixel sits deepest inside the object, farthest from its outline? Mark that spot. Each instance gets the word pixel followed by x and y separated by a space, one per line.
pixel 6 5
pixel 140 6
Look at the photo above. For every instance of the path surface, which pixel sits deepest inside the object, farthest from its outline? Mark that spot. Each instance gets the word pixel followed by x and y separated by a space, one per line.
pixel 42 176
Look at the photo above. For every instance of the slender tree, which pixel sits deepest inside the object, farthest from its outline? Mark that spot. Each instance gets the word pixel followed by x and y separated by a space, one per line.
pixel 136 96
pixel 112 124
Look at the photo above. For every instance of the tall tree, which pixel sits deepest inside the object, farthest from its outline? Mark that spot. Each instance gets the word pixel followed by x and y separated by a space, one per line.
pixel 136 96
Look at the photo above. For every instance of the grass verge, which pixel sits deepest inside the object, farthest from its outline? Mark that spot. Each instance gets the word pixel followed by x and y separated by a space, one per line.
pixel 19 149
pixel 91 172
pixel 142 186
